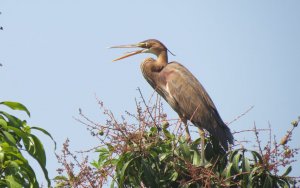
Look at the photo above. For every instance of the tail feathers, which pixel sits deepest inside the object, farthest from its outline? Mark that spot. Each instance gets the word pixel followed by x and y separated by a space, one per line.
pixel 224 136
pixel 221 133
pixel 228 134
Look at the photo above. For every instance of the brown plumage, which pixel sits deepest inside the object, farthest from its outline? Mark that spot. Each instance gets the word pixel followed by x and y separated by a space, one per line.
pixel 181 90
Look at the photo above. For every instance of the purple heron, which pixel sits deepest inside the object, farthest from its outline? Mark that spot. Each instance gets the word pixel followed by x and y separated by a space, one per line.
pixel 180 88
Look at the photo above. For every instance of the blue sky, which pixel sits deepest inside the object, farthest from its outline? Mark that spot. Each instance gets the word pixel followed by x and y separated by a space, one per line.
pixel 55 59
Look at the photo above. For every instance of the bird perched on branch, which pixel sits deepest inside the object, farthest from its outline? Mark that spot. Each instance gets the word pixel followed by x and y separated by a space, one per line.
pixel 180 88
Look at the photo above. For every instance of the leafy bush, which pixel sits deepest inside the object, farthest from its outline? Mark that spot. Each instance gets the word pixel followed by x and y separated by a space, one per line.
pixel 152 151
pixel 16 136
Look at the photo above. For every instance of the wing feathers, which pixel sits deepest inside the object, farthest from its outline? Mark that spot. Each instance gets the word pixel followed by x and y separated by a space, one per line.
pixel 193 102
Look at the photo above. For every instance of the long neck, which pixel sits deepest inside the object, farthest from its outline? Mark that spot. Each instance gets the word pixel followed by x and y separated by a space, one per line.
pixel 162 59
pixel 150 66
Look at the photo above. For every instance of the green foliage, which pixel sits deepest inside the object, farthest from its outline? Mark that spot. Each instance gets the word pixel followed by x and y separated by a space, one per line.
pixel 16 136
pixel 139 155
pixel 169 161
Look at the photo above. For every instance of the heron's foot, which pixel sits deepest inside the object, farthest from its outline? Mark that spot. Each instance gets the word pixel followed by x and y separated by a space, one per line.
pixel 187 133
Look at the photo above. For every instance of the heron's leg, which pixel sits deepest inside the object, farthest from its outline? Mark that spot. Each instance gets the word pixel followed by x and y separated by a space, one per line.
pixel 187 132
pixel 186 128
pixel 202 138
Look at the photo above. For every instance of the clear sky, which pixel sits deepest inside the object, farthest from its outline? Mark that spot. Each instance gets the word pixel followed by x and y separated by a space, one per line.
pixel 55 59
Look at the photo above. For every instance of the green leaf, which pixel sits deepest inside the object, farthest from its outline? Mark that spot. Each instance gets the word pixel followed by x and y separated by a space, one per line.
pixel 174 176
pixel 12 182
pixel 233 153
pixel 110 147
pixel 167 134
pixel 18 172
pixel 196 158
pixel 12 120
pixel 256 156
pixel 3 124
pixel 112 185
pixel 148 174
pixel 254 171
pixel 163 156
pixel 102 150
pixel 62 185
pixel 30 175
pixel 12 151
pixel 26 128
pixel 61 178
pixel 153 153
pixel 46 133
pixel 185 150
pixel 245 168
pixel 228 170
pixel 122 175
pixel 245 165
pixel 95 164
pixel 103 156
pixel 268 182
pixel 153 130
pixel 196 143
pixel 112 162
pixel 18 132
pixel 10 138
pixel 36 149
pixel 288 170
pixel 1 157
pixel 13 164
pixel 283 183
pixel 235 162
pixel 16 106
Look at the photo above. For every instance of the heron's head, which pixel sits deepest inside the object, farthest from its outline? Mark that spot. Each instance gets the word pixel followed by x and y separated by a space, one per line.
pixel 152 46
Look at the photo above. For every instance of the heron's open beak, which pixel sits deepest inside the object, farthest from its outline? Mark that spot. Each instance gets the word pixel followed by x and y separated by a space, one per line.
pixel 128 54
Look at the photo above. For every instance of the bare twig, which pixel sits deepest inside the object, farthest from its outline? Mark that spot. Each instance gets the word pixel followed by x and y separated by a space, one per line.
pixel 257 140
pixel 147 107
pixel 238 117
